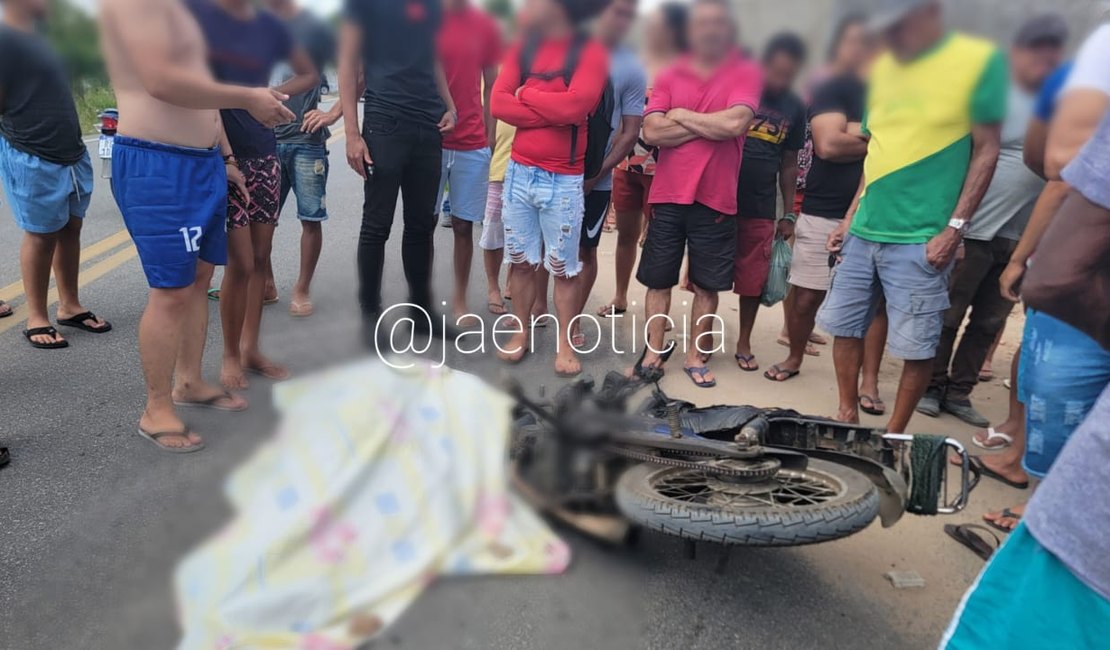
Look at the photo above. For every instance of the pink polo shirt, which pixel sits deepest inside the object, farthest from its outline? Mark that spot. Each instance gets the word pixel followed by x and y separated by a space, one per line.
pixel 703 171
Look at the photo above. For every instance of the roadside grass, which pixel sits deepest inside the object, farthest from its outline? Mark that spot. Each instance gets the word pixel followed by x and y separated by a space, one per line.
pixel 91 100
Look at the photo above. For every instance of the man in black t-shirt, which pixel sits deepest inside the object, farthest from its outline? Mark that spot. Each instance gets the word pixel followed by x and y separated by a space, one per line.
pixel 45 171
pixel 770 162
pixel 408 108
pixel 839 147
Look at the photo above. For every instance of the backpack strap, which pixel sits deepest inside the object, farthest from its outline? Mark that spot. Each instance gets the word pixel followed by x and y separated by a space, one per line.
pixel 528 55
pixel 574 55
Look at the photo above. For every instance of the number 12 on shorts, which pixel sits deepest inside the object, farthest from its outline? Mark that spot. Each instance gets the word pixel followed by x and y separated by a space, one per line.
pixel 192 238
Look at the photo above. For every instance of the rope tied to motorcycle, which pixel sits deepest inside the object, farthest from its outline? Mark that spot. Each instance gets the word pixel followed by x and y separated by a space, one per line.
pixel 927 467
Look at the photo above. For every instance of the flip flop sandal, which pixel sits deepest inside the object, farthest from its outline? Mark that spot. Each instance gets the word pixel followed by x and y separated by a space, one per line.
pixel 211 403
pixel 155 437
pixel 1006 514
pixel 1007 384
pixel 977 463
pixel 774 371
pixel 654 373
pixel 1006 439
pixel 214 295
pixel 78 322
pixel 5 457
pixel 611 311
pixel 301 309
pixel 810 351
pixel 748 359
pixel 578 340
pixel 494 306
pixel 266 374
pixel 965 534
pixel 44 331
pixel 271 301
pixel 6 310
pixel 986 377
pixel 700 372
pixel 874 409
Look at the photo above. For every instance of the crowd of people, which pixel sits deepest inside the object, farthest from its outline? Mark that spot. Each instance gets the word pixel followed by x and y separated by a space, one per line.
pixel 916 174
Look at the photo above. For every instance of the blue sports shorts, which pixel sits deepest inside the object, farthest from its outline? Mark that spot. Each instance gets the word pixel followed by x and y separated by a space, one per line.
pixel 44 195
pixel 174 203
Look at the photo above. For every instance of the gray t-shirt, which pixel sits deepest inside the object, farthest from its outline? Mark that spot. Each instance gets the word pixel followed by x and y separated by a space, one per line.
pixel 316 38
pixel 629 86
pixel 1070 511
pixel 37 112
pixel 1008 203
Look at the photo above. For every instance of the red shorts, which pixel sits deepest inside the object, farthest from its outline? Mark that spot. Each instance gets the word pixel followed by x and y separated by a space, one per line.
pixel 630 191
pixel 753 256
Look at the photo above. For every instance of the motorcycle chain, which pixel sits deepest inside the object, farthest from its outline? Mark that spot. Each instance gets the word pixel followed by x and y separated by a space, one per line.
pixel 759 473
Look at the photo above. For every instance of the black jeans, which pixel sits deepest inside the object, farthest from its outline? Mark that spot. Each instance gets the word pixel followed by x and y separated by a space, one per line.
pixel 407 158
pixel 975 287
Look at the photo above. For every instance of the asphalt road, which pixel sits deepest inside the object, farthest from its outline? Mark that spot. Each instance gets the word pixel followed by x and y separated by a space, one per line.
pixel 93 519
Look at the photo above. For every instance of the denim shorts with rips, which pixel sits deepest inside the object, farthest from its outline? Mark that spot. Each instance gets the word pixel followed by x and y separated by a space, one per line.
pixel 542 212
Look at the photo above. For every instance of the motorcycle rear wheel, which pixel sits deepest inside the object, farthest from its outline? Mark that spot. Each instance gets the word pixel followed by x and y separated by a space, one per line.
pixel 825 502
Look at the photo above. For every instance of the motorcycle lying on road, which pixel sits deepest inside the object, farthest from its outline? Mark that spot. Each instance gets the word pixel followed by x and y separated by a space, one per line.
pixel 735 475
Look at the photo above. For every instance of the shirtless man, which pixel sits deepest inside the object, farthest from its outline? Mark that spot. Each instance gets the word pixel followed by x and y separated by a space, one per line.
pixel 170 182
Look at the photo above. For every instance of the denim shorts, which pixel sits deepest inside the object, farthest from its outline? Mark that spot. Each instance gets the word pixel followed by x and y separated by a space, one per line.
pixel 916 296
pixel 44 195
pixel 1062 373
pixel 304 170
pixel 542 212
pixel 463 181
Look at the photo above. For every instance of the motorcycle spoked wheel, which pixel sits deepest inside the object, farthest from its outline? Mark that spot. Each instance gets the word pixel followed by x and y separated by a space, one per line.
pixel 824 502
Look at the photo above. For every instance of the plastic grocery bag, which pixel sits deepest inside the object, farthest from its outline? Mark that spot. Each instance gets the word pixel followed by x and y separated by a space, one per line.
pixel 378 482
pixel 774 291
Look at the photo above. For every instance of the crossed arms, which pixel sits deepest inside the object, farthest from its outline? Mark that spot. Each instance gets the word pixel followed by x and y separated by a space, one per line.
pixel 678 126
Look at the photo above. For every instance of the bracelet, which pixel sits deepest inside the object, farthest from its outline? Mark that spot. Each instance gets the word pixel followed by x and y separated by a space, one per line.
pixel 790 217
pixel 231 160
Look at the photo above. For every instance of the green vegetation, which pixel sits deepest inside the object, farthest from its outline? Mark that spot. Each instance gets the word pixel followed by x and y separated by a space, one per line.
pixel 90 101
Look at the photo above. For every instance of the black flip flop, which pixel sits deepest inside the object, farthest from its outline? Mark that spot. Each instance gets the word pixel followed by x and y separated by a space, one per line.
pixel 6 310
pixel 774 371
pixel 654 373
pixel 977 462
pixel 1006 514
pixel 44 331
pixel 871 410
pixel 78 322
pixel 5 457
pixel 965 534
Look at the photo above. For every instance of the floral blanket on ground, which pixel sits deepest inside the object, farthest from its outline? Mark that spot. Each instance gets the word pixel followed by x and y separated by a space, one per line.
pixel 378 482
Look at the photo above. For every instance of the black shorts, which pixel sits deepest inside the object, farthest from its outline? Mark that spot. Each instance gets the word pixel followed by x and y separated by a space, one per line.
pixel 710 236
pixel 593 219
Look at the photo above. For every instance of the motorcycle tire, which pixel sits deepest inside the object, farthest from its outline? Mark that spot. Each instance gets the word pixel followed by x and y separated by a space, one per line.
pixel 838 502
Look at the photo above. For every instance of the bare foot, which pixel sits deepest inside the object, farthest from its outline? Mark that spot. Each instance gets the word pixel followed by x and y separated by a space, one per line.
pixel 810 350
pixel 567 364
pixel 258 364
pixel 159 424
pixel 232 376
pixel 515 349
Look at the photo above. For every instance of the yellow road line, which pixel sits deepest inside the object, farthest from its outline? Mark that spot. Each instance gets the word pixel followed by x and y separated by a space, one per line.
pixel 92 274
pixel 15 289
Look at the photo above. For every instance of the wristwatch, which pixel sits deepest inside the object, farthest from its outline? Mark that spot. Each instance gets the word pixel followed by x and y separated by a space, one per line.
pixel 960 225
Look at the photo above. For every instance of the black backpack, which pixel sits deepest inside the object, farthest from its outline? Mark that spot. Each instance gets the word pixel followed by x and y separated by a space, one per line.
pixel 599 124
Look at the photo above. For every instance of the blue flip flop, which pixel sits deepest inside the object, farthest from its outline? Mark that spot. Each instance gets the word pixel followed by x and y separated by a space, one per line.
pixel 701 372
